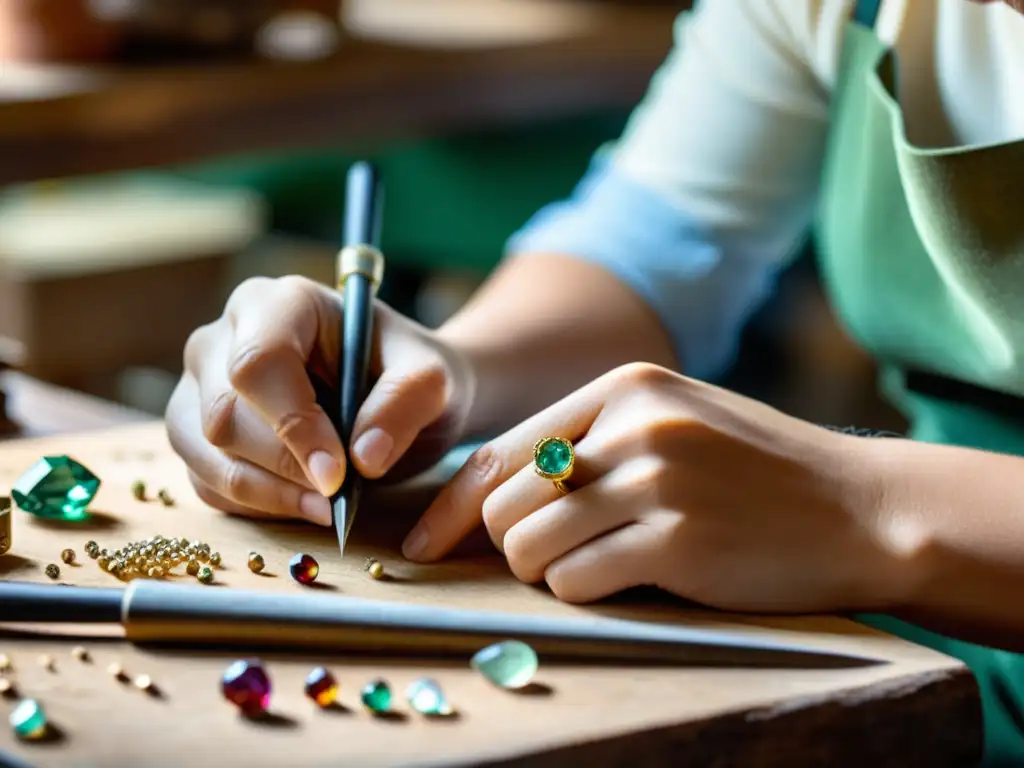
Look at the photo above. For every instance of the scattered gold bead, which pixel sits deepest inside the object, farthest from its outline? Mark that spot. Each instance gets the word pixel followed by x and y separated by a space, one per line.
pixel 139 490
pixel 67 556
pixel 156 572
pixel 205 574
pixel 192 569
pixel 92 549
pixel 256 562
pixel 165 497
pixel 103 563
pixel 139 561
pixel 6 688
pixel 376 570
pixel 203 556
pixel 183 543
pixel 117 672
pixel 5 662
pixel 143 682
pixel 53 571
pixel 215 559
pixel 80 652
pixel 47 662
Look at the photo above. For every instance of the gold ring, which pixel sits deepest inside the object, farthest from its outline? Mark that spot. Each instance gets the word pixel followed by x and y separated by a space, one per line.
pixel 554 459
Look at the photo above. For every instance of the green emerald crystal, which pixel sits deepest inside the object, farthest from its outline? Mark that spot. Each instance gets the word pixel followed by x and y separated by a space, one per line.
pixel 508 664
pixel 28 720
pixel 376 696
pixel 56 488
pixel 553 456
pixel 427 698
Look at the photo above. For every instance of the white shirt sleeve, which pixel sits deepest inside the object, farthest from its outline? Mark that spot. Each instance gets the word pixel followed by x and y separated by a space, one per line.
pixel 713 184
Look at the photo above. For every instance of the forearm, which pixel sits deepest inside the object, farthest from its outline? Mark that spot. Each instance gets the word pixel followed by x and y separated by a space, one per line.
pixel 544 325
pixel 956 519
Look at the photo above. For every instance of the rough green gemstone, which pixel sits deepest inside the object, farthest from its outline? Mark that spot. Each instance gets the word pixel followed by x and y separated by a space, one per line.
pixel 28 719
pixel 553 456
pixel 56 488
pixel 508 664
pixel 376 696
pixel 426 697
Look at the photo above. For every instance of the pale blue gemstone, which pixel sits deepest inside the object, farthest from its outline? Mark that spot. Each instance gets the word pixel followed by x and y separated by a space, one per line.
pixel 29 719
pixel 426 697
pixel 508 664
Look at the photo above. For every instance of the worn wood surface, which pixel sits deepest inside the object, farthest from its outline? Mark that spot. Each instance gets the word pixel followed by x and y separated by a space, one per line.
pixel 916 708
pixel 66 121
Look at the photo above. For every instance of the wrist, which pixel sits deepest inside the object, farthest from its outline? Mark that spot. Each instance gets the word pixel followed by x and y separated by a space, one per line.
pixel 885 508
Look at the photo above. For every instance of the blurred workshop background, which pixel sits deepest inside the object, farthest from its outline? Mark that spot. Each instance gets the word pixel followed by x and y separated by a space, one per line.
pixel 154 153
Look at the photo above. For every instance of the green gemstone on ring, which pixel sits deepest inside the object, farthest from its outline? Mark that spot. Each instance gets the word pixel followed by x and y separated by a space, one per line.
pixel 553 456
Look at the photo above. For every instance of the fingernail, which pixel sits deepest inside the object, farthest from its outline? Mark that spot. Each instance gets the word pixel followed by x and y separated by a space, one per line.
pixel 415 543
pixel 315 508
pixel 373 448
pixel 326 471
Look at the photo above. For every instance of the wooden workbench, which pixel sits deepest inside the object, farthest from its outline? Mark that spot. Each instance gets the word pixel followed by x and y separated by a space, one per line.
pixel 916 708
pixel 57 122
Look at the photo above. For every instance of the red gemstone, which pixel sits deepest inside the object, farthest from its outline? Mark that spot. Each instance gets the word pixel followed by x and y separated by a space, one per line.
pixel 304 568
pixel 246 685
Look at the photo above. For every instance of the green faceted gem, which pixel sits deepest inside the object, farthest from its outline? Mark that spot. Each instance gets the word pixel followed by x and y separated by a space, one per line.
pixel 508 664
pixel 56 488
pixel 29 720
pixel 553 456
pixel 427 698
pixel 376 696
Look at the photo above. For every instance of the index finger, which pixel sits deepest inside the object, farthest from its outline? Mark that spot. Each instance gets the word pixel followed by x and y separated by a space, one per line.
pixel 267 367
pixel 458 507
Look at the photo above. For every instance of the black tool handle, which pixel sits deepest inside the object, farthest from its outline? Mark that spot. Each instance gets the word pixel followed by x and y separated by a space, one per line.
pixel 59 604
pixel 363 207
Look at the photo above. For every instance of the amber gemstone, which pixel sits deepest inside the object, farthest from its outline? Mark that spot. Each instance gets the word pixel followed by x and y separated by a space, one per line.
pixel 304 568
pixel 321 687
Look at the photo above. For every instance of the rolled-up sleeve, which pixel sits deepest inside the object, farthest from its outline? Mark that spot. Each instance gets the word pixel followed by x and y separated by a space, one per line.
pixel 712 186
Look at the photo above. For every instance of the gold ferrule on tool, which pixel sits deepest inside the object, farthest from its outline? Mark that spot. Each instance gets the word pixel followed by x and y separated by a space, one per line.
pixel 362 260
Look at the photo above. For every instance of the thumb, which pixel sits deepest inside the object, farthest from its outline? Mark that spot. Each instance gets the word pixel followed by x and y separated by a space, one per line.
pixel 410 395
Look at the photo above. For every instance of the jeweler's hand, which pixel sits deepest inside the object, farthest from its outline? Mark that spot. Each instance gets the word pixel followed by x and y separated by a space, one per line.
pixel 680 485
pixel 244 416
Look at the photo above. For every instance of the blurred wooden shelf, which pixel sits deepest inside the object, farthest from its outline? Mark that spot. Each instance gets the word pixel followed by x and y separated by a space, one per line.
pixel 57 122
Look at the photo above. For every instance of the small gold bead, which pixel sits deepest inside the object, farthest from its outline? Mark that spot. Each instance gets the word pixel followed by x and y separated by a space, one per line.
pixel 5 662
pixel 203 556
pixel 205 574
pixel 376 570
pixel 161 554
pixel 147 551
pixel 165 497
pixel 92 549
pixel 117 672
pixel 256 562
pixel 139 490
pixel 53 571
pixel 156 572
pixel 183 543
pixel 192 569
pixel 47 662
pixel 6 688
pixel 205 547
pixel 215 559
pixel 103 563
pixel 143 682
pixel 67 556
pixel 139 561
pixel 80 652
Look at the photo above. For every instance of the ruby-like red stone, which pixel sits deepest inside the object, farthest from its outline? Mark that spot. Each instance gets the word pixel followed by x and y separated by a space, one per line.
pixel 246 685
pixel 304 568
pixel 321 687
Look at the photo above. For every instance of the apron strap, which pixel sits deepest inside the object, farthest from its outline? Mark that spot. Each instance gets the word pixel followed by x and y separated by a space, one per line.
pixel 866 12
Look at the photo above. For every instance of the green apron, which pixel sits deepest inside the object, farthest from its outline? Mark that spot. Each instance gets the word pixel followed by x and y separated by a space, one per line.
pixel 922 252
